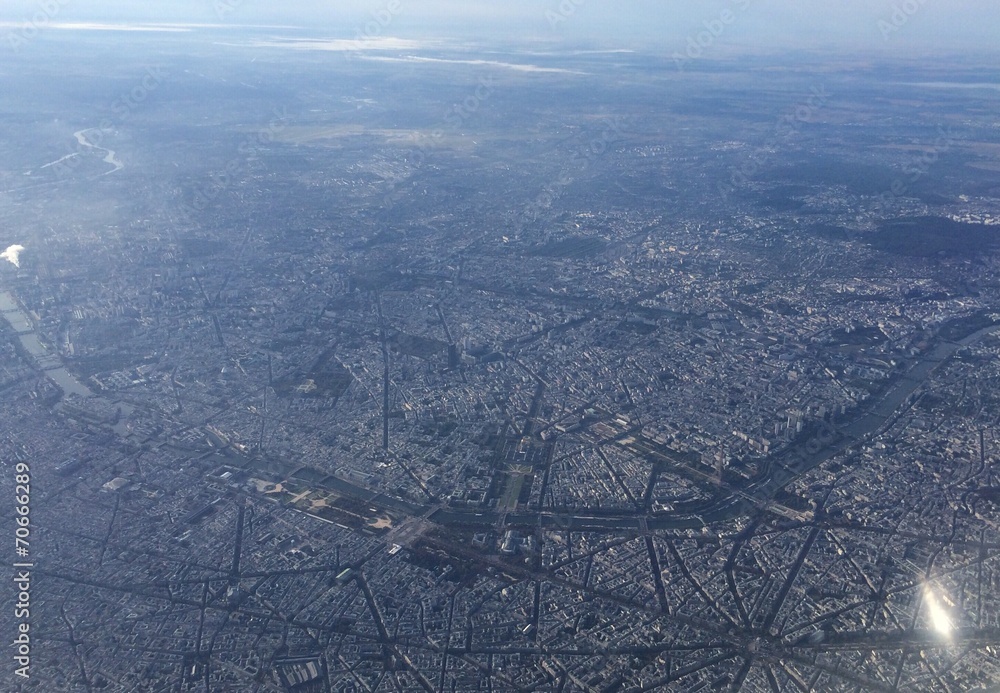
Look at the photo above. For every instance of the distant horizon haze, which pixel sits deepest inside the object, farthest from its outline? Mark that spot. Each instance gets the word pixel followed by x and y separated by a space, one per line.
pixel 894 26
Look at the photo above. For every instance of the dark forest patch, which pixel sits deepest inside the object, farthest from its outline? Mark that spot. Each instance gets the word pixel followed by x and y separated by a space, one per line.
pixel 412 345
pixel 326 379
pixel 575 246
pixel 934 236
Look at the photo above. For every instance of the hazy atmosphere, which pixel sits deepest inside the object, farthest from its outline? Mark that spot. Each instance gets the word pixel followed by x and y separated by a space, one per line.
pixel 562 346
pixel 765 24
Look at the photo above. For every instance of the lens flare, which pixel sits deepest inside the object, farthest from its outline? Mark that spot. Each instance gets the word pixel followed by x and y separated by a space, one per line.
pixel 940 621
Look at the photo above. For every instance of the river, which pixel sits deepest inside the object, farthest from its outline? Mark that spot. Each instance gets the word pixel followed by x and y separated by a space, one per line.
pixel 109 158
pixel 48 360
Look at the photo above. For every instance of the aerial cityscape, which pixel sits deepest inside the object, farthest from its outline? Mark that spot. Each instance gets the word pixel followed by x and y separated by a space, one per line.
pixel 379 364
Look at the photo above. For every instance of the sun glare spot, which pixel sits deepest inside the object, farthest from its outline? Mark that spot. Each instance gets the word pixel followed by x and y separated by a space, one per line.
pixel 940 621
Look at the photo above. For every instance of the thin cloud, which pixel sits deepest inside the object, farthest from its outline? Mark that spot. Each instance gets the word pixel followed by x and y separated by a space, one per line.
pixel 519 67
pixel 13 254
pixel 375 43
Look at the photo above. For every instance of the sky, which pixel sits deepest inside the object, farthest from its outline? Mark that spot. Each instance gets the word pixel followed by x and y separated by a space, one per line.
pixel 668 25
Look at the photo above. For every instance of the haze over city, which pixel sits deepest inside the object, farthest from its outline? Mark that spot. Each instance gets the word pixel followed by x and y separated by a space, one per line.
pixel 561 346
